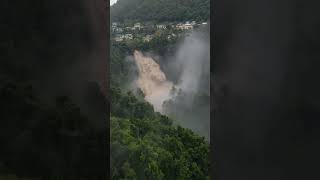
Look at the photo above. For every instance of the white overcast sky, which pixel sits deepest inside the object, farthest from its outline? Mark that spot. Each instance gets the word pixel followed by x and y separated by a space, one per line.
pixel 112 1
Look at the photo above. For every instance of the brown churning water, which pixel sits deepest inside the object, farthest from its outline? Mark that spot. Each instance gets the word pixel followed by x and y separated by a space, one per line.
pixel 152 81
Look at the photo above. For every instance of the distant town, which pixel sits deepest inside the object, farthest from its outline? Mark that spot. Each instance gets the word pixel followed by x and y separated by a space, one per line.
pixel 123 32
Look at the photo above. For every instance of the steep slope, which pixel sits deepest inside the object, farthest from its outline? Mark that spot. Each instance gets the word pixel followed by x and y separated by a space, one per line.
pixel 147 145
pixel 160 10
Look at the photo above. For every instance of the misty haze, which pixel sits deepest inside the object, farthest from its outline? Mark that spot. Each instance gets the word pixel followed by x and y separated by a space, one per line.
pixel 160 89
pixel 190 66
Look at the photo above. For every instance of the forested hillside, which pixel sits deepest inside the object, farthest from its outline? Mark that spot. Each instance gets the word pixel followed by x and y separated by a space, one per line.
pixel 146 144
pixel 161 10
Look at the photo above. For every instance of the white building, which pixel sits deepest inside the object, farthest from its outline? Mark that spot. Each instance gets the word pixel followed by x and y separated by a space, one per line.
pixel 147 38
pixel 119 30
pixel 128 36
pixel 137 26
pixel 118 38
pixel 114 24
pixel 188 26
pixel 171 36
pixel 123 37
pixel 184 26
pixel 161 26
pixel 179 26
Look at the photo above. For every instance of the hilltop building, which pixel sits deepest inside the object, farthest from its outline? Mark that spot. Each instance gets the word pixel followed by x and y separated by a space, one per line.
pixel 147 38
pixel 184 26
pixel 128 36
pixel 118 38
pixel 171 36
pixel 117 30
pixel 114 25
pixel 161 26
pixel 122 37
pixel 137 26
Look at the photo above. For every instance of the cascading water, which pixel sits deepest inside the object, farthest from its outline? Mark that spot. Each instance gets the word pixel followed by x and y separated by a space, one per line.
pixel 152 81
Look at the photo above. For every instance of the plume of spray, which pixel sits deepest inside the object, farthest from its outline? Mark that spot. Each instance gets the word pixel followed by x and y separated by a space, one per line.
pixel 193 58
pixel 182 99
pixel 152 81
pixel 190 105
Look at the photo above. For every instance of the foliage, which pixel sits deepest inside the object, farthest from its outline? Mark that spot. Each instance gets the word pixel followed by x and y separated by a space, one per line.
pixel 146 145
pixel 160 10
pixel 159 44
pixel 186 107
pixel 119 70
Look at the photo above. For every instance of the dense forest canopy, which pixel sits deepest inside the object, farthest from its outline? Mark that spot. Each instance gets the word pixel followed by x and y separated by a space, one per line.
pixel 160 10
pixel 144 143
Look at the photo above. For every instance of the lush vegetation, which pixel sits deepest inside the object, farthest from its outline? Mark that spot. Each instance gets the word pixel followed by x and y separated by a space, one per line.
pixel 159 44
pixel 186 107
pixel 146 144
pixel 119 67
pixel 161 10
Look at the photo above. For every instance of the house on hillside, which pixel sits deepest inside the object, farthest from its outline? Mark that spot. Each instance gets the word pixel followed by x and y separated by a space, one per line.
pixel 128 36
pixel 171 36
pixel 114 24
pixel 137 26
pixel 147 38
pixel 186 26
pixel 119 38
pixel 161 26
pixel 122 37
pixel 118 30
pixel 179 26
